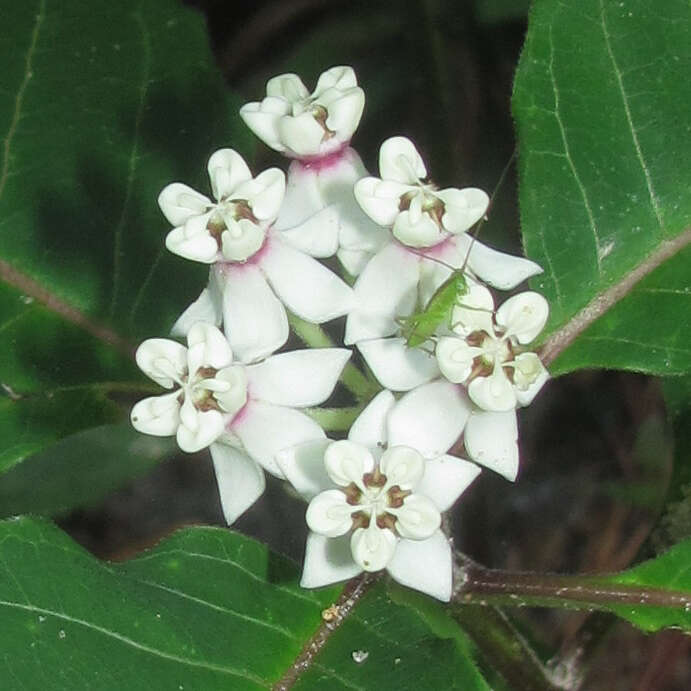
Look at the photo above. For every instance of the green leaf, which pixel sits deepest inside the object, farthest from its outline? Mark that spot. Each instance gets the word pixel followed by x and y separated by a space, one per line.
pixel 601 105
pixel 206 609
pixel 670 571
pixel 101 105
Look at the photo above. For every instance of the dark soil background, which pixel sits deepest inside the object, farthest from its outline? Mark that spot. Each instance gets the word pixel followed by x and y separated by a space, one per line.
pixel 596 448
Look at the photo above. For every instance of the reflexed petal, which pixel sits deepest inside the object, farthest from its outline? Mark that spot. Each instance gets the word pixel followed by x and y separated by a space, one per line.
pixel 430 418
pixel 329 513
pixel 347 462
pixel 301 134
pixel 327 560
pixel 193 241
pixel 263 121
pixel 339 77
pixel 491 439
pixel 179 203
pixel 162 360
pixel 523 316
pixel 475 311
pixel 227 169
pixel 422 233
pixel 369 429
pixel 240 480
pixel 303 466
pixel 445 479
pixel 203 309
pixel 380 199
pixel 157 415
pixel 209 427
pixel 498 269
pixel 264 193
pixel 303 196
pixel 494 392
pixel 455 358
pixel 232 400
pixel 386 289
pixel 424 565
pixel 309 289
pixel 399 160
pixel 462 208
pixel 241 240
pixel 418 518
pixel 345 112
pixel 208 347
pixel 373 547
pixel 316 236
pixel 299 378
pixel 529 376
pixel 254 318
pixel 288 87
pixel 266 429
pixel 402 466
pixel 396 366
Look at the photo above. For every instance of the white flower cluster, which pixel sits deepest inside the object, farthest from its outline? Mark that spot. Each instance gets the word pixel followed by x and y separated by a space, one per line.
pixel 420 313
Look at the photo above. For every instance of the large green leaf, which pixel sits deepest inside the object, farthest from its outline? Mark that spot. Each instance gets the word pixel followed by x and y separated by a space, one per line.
pixel 601 102
pixel 101 105
pixel 206 609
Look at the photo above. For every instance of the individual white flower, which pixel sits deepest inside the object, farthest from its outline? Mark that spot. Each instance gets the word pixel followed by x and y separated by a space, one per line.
pixel 246 413
pixel 304 125
pixel 376 499
pixel 234 226
pixel 257 270
pixel 486 354
pixel 419 214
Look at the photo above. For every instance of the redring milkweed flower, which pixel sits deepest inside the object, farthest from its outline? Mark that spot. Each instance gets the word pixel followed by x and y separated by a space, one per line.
pixel 256 269
pixel 231 407
pixel 376 499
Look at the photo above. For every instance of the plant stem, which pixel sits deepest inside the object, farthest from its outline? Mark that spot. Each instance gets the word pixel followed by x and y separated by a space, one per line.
pixel 334 419
pixel 477 584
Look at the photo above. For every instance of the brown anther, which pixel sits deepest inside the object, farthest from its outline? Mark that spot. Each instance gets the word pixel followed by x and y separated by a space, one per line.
pixel 353 494
pixel 476 338
pixel 216 229
pixel 386 520
pixel 207 372
pixel 320 114
pixel 396 496
pixel 360 520
pixel 374 479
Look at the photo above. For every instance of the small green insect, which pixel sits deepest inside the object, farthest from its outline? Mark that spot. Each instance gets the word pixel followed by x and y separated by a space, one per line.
pixel 419 327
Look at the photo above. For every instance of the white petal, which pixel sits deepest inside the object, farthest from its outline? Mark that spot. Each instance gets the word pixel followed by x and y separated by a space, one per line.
pixel 266 429
pixel 263 121
pixel 207 347
pixel 523 316
pixel 162 360
pixel 475 311
pixel 288 87
pixel 303 196
pixel 396 366
pixel 253 317
pixel 302 134
pixel 418 518
pixel 347 462
pixel 491 439
pixel 234 398
pixel 386 289
pixel 462 208
pixel 354 261
pixel 303 466
pixel 204 309
pixel 207 428
pixel 193 241
pixel 327 560
pixel 157 415
pixel 380 199
pixel 494 392
pixel 420 232
pixel 299 378
pixel 424 565
pixel 369 429
pixel 498 269
pixel 430 418
pixel 264 193
pixel 240 480
pixel 306 287
pixel 330 514
pixel 529 376
pixel 399 160
pixel 402 466
pixel 373 547
pixel 345 112
pixel 455 358
pixel 316 236
pixel 446 478
pixel 227 169
pixel 339 77
pixel 179 203
pixel 241 239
